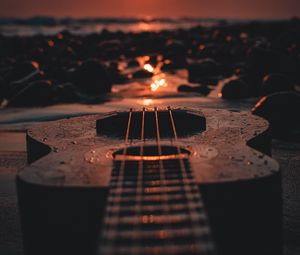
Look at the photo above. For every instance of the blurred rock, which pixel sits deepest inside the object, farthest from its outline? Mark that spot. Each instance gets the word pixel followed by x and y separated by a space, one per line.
pixel 201 69
pixel 133 63
pixel 261 61
pixel 37 93
pixel 202 89
pixel 111 49
pixel 153 60
pixel 3 89
pixel 276 83
pixel 234 89
pixel 92 78
pixel 176 51
pixel 66 93
pixel 23 70
pixel 169 65
pixel 141 74
pixel 282 110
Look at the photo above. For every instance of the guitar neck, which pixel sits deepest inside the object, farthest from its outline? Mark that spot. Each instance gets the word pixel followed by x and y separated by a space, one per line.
pixel 155 207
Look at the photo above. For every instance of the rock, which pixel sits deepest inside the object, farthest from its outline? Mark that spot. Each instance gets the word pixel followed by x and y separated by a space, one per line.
pixel 209 80
pixel 282 111
pixel 67 93
pixel 141 74
pixel 3 89
pixel 234 89
pixel 92 78
pixel 276 83
pixel 110 49
pixel 202 68
pixel 153 60
pixel 206 51
pixel 23 70
pixel 261 61
pixel 204 90
pixel 116 76
pixel 169 65
pixel 133 63
pixel 37 93
pixel 176 52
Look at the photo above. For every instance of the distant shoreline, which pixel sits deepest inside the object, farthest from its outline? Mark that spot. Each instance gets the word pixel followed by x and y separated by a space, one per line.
pixel 49 26
pixel 53 21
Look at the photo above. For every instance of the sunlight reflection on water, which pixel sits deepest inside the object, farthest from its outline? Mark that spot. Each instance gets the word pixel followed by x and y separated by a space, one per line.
pixel 158 82
pixel 159 78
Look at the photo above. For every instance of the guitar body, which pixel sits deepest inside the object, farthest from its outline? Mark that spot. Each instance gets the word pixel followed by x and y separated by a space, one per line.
pixel 112 184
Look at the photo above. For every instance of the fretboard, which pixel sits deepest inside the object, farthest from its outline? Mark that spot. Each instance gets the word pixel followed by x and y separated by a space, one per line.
pixel 154 207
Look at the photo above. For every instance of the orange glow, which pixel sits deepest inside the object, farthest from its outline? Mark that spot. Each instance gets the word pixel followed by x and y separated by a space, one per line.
pixel 172 8
pixel 152 190
pixel 60 36
pixel 202 46
pixel 35 64
pixel 243 35
pixel 50 43
pixel 149 68
pixel 151 158
pixel 144 26
pixel 156 84
pixel 147 102
pixel 260 102
pixel 163 234
pixel 147 219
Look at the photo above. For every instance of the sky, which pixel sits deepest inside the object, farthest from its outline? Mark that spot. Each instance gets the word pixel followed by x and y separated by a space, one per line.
pixel 263 9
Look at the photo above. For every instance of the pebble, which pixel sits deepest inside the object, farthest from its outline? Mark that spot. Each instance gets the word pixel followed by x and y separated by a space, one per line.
pixel 175 50
pixel 276 83
pixel 201 69
pixel 3 89
pixel 202 89
pixel 263 61
pixel 282 111
pixel 141 74
pixel 234 89
pixel 133 63
pixel 37 93
pixel 22 70
pixel 67 93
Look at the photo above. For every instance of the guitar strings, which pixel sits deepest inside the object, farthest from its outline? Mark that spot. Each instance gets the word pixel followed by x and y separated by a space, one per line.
pixel 119 184
pixel 164 195
pixel 139 187
pixel 186 186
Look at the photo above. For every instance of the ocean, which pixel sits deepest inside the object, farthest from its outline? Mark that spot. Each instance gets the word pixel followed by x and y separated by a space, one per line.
pixel 83 26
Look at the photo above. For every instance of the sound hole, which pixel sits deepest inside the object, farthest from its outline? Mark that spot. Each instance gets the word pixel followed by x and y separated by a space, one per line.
pixel 186 123
pixel 151 153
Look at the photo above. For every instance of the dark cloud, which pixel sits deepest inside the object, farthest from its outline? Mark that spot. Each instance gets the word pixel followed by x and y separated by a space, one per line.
pixel 201 8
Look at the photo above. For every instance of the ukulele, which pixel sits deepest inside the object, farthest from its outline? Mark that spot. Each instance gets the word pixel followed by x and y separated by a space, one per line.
pixel 151 181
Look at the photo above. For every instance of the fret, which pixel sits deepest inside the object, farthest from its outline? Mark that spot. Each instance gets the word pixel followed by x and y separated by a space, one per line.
pixel 194 249
pixel 174 208
pixel 139 235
